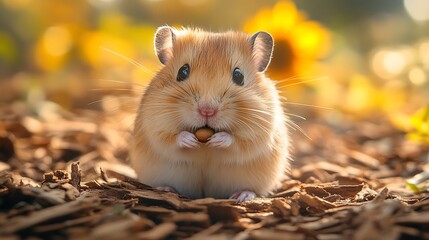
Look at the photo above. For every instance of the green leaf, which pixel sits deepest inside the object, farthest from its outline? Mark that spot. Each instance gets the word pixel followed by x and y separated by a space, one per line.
pixel 419 182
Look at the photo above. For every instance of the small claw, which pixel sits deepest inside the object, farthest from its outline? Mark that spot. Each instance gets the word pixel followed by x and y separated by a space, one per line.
pixel 187 140
pixel 242 196
pixel 220 140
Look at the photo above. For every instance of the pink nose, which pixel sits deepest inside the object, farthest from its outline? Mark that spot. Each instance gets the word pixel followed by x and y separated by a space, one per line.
pixel 207 111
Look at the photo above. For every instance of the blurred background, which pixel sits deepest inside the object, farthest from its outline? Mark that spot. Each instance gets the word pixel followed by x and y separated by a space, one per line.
pixel 357 58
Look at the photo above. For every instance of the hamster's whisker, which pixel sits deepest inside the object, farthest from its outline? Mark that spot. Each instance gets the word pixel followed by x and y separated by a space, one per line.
pixel 256 110
pixel 288 79
pixel 253 111
pixel 192 89
pixel 182 90
pixel 294 78
pixel 130 87
pixel 245 125
pixel 127 102
pixel 171 115
pixel 295 115
pixel 286 101
pixel 168 107
pixel 254 116
pixel 113 99
pixel 122 82
pixel 255 101
pixel 160 105
pixel 115 89
pixel 135 63
pixel 238 92
pixel 250 117
pixel 281 87
pixel 292 123
pixel 261 126
pixel 226 90
pixel 227 126
pixel 177 97
pixel 308 105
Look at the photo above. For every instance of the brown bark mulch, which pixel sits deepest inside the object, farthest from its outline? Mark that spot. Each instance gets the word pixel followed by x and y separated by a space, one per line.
pixel 64 175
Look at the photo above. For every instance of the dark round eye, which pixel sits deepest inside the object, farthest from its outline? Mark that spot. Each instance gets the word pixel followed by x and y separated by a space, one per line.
pixel 183 73
pixel 237 77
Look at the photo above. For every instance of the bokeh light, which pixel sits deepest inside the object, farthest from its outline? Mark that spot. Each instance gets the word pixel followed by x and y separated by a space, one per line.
pixel 52 47
pixel 389 63
pixel 417 9
pixel 57 41
pixel 423 50
pixel 325 54
pixel 417 76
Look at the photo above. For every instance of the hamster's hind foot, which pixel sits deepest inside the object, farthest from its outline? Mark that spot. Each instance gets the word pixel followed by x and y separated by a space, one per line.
pixel 242 196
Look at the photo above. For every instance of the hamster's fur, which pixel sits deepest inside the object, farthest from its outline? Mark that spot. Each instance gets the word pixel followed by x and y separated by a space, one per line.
pixel 248 153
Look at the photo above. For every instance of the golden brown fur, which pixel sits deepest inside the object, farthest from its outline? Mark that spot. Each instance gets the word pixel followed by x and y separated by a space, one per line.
pixel 252 114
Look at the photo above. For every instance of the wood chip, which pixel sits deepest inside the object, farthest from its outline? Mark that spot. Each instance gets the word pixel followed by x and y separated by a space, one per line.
pixel 275 234
pixel 382 195
pixel 415 218
pixel 346 191
pixel 118 229
pixel 325 222
pixel 5 177
pixel 208 233
pixel 161 231
pixel 167 197
pixel 200 219
pixel 224 213
pixel 20 222
pixel 317 204
pixel 281 207
pixel 364 159
pixel 53 197
pixel 160 211
pixel 75 175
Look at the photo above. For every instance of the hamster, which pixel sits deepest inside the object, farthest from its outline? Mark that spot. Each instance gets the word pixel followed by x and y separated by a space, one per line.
pixel 217 81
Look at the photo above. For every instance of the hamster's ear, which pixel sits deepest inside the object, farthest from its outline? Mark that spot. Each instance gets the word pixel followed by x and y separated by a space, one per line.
pixel 262 49
pixel 164 39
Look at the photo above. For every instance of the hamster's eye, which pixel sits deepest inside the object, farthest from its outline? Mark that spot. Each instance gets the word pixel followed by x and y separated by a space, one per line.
pixel 183 73
pixel 237 77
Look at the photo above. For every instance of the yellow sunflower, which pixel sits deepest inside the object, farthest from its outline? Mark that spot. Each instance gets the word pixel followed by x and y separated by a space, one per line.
pixel 298 42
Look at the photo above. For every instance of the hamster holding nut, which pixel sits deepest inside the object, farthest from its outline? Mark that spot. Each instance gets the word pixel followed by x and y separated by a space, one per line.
pixel 216 81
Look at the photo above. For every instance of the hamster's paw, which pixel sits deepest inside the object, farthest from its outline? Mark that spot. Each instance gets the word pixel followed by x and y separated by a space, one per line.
pixel 220 140
pixel 187 140
pixel 242 196
pixel 167 189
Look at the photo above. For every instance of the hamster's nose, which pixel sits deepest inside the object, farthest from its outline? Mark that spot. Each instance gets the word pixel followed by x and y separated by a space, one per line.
pixel 207 111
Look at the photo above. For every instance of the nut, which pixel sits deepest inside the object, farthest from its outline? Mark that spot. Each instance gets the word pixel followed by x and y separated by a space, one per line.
pixel 203 134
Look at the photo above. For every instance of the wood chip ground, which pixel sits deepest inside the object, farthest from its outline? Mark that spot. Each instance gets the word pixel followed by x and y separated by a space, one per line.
pixel 67 177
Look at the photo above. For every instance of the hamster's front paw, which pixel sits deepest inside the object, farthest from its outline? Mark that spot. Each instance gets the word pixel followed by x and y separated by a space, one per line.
pixel 187 140
pixel 242 196
pixel 220 140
